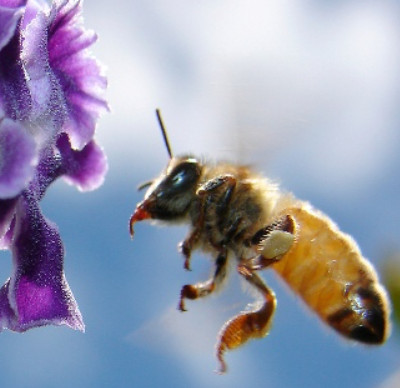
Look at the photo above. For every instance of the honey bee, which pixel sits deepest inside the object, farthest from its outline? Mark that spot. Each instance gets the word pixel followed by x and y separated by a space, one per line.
pixel 233 212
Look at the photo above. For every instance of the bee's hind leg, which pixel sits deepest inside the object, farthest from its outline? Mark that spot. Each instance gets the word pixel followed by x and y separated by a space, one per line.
pixel 248 324
pixel 273 242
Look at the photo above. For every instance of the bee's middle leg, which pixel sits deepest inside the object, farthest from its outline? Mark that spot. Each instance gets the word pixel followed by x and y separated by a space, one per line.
pixel 199 290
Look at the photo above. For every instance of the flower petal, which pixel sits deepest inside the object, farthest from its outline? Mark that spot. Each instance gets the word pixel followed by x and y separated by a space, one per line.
pixel 12 3
pixel 17 158
pixel 7 314
pixel 79 74
pixel 48 109
pixel 15 98
pixel 7 211
pixel 51 91
pixel 86 168
pixel 10 13
pixel 6 238
pixel 38 292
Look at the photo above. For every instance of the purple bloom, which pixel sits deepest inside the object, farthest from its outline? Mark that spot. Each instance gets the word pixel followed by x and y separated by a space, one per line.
pixel 51 95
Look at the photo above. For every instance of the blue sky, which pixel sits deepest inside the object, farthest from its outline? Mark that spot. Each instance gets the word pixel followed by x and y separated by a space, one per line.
pixel 305 91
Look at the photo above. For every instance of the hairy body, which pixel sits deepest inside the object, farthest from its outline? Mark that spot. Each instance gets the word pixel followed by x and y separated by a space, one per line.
pixel 235 213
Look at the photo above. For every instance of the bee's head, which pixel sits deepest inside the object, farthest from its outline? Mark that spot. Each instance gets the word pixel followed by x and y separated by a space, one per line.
pixel 168 197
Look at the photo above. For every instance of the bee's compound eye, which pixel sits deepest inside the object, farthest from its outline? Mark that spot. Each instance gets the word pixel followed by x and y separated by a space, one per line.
pixel 183 176
pixel 178 178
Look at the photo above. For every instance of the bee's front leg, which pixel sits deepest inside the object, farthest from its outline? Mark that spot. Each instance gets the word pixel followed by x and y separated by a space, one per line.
pixel 198 290
pixel 186 246
pixel 205 198
pixel 248 324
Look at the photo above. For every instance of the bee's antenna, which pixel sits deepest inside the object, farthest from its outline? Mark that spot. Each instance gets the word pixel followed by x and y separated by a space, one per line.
pixel 164 132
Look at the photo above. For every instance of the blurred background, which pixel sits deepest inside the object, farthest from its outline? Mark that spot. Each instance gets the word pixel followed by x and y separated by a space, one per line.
pixel 305 91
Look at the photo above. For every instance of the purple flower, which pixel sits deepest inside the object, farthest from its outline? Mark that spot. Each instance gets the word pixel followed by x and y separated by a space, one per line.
pixel 51 95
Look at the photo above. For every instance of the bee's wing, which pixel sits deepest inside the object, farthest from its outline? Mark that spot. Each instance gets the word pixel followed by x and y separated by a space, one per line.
pixel 325 267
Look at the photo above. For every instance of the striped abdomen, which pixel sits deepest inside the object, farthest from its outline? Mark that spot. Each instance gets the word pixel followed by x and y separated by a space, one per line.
pixel 326 268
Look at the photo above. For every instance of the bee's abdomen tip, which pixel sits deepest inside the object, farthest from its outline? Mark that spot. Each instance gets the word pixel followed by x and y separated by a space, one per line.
pixel 366 321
